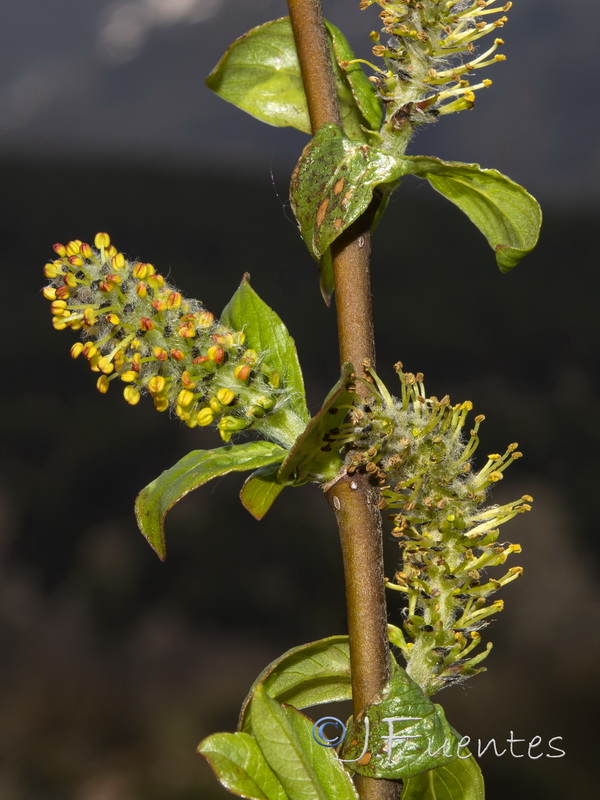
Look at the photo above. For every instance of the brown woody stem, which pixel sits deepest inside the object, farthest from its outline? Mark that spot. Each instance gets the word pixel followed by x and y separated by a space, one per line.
pixel 353 499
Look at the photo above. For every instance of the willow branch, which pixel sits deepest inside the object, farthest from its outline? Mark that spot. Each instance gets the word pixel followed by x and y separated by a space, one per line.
pixel 353 500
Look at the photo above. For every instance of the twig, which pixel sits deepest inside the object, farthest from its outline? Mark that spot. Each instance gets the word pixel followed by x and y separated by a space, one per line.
pixel 353 500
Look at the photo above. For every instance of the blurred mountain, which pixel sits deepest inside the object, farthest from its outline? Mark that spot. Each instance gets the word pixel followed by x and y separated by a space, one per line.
pixel 124 78
pixel 113 665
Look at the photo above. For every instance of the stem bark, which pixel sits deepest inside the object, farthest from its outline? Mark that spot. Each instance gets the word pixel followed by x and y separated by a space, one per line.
pixel 353 499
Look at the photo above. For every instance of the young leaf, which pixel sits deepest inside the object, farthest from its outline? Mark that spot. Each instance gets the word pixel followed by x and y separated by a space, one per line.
pixel 192 471
pixel 260 490
pixel 265 332
pixel 507 215
pixel 240 766
pixel 329 770
pixel 408 734
pixel 306 772
pixel 334 182
pixel 459 780
pixel 260 74
pixel 313 457
pixel 362 88
pixel 333 185
pixel 314 673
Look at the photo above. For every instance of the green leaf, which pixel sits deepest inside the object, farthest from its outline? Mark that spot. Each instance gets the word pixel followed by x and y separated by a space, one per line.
pixel 240 766
pixel 266 333
pixel 261 489
pixel 192 471
pixel 336 177
pixel 333 185
pixel 362 88
pixel 308 675
pixel 422 738
pixel 330 772
pixel 507 215
pixel 260 74
pixel 314 456
pixel 459 780
pixel 306 771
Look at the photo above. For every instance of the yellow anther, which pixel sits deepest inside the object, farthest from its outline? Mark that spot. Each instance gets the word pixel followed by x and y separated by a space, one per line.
pixel 205 319
pixel 160 353
pixel 86 251
pixel 156 281
pixel 186 331
pixel 102 240
pixel 185 398
pixel 140 270
pixel 496 476
pixel 70 280
pixel 112 318
pixel 129 376
pixel 161 403
pixel 118 261
pixel 182 413
pixel 215 405
pixel 89 350
pixel 76 349
pixel 105 365
pixel 51 270
pixel 205 417
pixel 225 396
pixel 187 380
pixel 216 354
pixel 102 384
pixel 156 384
pixel 141 289
pixel 73 247
pixel 494 457
pixel 132 395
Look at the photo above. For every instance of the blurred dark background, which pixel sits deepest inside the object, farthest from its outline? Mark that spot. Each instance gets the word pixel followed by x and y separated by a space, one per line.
pixel 114 666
